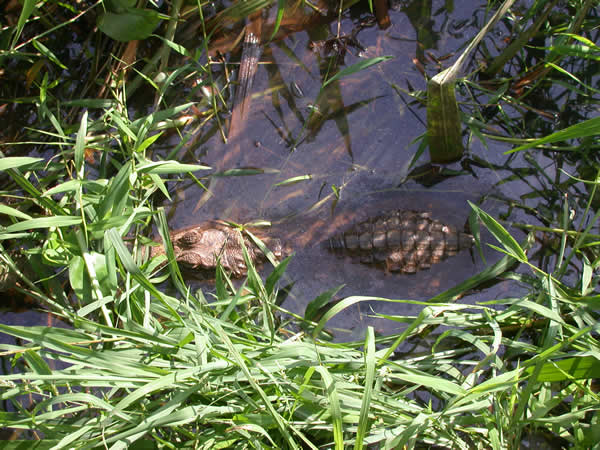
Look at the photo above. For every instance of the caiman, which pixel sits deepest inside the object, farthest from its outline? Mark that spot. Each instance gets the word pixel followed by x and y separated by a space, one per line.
pixel 398 241
pixel 197 248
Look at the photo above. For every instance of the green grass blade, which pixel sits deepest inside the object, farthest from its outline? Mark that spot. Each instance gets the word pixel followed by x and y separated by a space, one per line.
pixel 334 406
pixel 357 67
pixel 44 222
pixel 80 145
pixel 500 233
pixel 585 367
pixel 127 261
pixel 583 129
pixel 14 162
pixel 170 167
pixel 28 8
pixel 237 357
pixel 7 210
pixel 363 421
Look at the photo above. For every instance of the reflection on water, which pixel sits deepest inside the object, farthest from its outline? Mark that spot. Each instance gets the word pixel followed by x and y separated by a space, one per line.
pixel 350 146
pixel 358 124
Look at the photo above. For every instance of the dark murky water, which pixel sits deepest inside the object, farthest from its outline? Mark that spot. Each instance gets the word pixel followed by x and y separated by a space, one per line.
pixel 360 141
pixel 357 138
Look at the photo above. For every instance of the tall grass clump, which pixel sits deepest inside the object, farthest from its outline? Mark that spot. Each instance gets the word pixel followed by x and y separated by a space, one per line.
pixel 144 361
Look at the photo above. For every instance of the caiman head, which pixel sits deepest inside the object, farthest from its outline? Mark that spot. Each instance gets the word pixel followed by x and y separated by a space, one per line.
pixel 198 248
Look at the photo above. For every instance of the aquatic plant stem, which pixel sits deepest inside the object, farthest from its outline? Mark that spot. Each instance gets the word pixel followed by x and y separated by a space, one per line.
pixel 443 118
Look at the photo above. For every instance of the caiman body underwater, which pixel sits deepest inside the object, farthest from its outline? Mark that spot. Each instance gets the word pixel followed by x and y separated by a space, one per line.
pixel 398 241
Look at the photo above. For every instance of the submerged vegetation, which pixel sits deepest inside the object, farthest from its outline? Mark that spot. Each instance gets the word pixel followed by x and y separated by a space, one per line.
pixel 101 103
